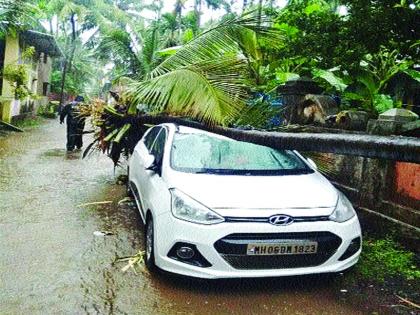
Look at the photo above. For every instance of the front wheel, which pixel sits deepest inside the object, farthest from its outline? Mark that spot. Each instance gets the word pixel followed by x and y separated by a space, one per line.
pixel 150 252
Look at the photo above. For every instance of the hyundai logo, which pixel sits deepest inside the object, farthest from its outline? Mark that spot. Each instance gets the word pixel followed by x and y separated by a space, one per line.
pixel 280 219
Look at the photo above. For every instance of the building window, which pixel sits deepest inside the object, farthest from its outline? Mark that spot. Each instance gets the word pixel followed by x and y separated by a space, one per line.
pixel 45 88
pixel 45 58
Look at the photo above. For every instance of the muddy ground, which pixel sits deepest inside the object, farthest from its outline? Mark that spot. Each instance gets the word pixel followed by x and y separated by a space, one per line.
pixel 52 263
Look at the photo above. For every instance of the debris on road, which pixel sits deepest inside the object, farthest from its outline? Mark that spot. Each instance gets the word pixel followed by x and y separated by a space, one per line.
pixel 126 200
pixel 133 261
pixel 102 233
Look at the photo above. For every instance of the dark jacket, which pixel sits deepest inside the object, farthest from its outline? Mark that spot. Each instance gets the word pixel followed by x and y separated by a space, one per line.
pixel 70 111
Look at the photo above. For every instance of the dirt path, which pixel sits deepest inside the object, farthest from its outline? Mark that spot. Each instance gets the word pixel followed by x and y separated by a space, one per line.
pixel 52 263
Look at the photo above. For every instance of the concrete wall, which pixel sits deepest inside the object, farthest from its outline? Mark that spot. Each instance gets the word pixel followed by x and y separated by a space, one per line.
pixel 386 194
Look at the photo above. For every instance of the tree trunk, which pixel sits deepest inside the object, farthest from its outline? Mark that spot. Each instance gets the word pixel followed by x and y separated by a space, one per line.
pixel 260 3
pixel 178 17
pixel 197 12
pixel 397 148
pixel 67 63
pixel 51 26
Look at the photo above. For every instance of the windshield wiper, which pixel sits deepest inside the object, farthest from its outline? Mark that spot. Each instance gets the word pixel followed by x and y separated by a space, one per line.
pixel 212 171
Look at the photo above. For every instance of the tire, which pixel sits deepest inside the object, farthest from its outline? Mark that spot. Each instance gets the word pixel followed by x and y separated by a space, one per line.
pixel 149 248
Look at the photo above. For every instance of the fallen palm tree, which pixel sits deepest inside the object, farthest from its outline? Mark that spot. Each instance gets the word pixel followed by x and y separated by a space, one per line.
pixel 206 84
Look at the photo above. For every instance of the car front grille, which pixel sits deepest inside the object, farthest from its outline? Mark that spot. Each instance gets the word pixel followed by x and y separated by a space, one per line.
pixel 233 250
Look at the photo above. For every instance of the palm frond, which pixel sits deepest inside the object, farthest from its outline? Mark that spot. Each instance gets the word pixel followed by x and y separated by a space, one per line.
pixel 213 90
pixel 117 42
pixel 208 78
pixel 223 39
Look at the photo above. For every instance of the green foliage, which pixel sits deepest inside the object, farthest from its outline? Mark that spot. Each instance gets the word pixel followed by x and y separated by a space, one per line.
pixel 187 36
pixel 205 79
pixel 382 102
pixel 30 122
pixel 370 45
pixel 15 15
pixel 47 111
pixel 331 78
pixel 256 114
pixel 413 74
pixel 17 75
pixel 383 258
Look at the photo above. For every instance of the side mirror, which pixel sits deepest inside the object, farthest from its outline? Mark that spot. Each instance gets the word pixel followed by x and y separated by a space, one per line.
pixel 312 163
pixel 149 163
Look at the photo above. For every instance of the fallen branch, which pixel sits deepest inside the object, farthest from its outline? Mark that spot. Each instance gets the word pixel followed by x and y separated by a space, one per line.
pixel 137 259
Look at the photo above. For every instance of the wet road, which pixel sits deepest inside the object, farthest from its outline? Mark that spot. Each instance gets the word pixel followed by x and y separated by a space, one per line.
pixel 52 263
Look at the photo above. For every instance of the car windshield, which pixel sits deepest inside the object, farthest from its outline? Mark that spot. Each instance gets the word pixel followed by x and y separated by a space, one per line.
pixel 201 153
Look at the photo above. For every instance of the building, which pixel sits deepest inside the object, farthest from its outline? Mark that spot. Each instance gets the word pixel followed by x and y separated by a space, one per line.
pixel 39 71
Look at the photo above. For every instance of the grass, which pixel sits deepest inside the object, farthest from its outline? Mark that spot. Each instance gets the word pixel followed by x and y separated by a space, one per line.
pixel 385 258
pixel 29 122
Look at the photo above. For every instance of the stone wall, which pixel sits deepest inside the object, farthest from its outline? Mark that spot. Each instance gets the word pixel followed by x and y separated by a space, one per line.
pixel 386 193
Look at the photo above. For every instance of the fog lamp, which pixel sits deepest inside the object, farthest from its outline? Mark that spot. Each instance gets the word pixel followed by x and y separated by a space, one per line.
pixel 185 252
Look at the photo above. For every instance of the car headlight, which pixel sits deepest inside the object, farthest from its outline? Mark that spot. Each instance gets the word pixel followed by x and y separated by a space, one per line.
pixel 344 210
pixel 185 208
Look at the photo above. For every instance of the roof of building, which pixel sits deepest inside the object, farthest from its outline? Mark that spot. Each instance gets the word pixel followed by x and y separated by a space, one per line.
pixel 42 42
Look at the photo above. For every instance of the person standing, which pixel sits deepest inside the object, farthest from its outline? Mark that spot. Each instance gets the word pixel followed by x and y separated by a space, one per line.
pixel 75 124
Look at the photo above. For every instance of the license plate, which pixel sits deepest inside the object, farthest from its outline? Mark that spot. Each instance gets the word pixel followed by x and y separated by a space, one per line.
pixel 286 248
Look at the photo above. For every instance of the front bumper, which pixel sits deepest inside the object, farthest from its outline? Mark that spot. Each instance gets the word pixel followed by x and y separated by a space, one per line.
pixel 204 237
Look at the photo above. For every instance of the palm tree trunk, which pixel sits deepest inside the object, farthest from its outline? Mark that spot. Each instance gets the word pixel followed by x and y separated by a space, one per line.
pixel 67 63
pixel 51 26
pixel 178 16
pixel 197 12
pixel 260 3
pixel 371 146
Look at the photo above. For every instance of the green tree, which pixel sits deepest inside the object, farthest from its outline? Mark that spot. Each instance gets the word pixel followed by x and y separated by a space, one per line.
pixel 16 15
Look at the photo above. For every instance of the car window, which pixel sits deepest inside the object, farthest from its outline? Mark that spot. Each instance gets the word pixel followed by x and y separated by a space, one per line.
pixel 158 146
pixel 202 153
pixel 150 137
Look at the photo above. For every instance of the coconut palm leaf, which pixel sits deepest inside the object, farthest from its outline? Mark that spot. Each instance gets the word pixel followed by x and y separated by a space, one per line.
pixel 225 38
pixel 208 78
pixel 205 91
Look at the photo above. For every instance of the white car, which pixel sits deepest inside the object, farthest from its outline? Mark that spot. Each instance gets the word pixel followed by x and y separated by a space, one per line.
pixel 214 207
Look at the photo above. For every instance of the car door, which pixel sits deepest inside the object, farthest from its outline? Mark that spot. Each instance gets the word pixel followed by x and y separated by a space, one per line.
pixel 154 187
pixel 138 173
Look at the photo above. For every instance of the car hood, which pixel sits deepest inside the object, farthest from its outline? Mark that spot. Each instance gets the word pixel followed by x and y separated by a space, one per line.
pixel 297 195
